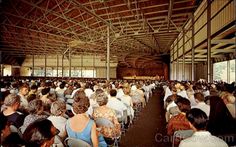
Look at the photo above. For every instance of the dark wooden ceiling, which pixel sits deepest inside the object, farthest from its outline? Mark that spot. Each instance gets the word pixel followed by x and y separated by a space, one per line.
pixel 141 30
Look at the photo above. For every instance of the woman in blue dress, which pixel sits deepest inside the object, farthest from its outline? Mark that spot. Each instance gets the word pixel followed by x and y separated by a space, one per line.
pixel 80 126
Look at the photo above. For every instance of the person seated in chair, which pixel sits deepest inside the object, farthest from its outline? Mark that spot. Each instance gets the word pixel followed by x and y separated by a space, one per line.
pixel 115 104
pixel 23 92
pixel 40 133
pixel 8 138
pixel 198 121
pixel 10 107
pixel 57 117
pixel 105 112
pixel 221 123
pixel 86 131
pixel 36 111
pixel 199 97
pixel 179 122
pixel 229 101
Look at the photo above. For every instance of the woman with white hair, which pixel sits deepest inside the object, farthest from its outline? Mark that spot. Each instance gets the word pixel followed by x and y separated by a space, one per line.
pixel 58 109
pixel 229 101
pixel 127 100
pixel 105 112
pixel 9 109
pixel 36 111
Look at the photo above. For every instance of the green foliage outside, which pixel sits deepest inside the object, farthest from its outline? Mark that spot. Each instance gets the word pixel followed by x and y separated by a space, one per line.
pixel 220 71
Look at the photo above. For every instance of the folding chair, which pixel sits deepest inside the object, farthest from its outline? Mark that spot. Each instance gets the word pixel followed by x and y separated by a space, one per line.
pixel 181 134
pixel 137 109
pixel 73 142
pixel 119 115
pixel 14 129
pixel 125 116
pixel 129 108
pixel 104 122
pixel 57 142
pixel 122 119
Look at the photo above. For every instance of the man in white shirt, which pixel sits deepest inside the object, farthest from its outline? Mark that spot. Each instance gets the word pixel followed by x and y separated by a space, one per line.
pixel 120 92
pixel 88 91
pixel 167 92
pixel 115 104
pixel 146 91
pixel 60 91
pixel 77 87
pixel 201 137
pixel 199 97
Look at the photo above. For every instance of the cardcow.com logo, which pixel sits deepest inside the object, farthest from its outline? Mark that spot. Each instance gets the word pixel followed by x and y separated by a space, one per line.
pixel 159 137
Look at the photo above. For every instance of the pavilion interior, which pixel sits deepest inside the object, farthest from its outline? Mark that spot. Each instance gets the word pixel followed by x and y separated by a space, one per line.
pixel 169 38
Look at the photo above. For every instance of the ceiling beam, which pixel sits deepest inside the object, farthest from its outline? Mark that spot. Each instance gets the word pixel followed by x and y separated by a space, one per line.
pixel 37 31
pixel 62 17
pixel 31 37
pixel 217 51
pixel 169 13
pixel 28 12
pixel 226 41
pixel 82 7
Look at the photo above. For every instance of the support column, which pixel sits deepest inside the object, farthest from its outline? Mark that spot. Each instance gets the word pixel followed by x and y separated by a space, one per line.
pixel 57 64
pixel 11 71
pixel 32 74
pixel 177 58
pixel 108 52
pixel 69 63
pixel 62 66
pixel 235 67
pixel 93 66
pixel 173 68
pixel 193 49
pixel 183 78
pixel 1 70
pixel 209 79
pixel 45 66
pixel 81 68
pixel 228 71
pixel 0 63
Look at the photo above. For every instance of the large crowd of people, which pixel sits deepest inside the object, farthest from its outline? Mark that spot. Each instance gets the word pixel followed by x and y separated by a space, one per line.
pixel 208 109
pixel 44 112
pixel 72 109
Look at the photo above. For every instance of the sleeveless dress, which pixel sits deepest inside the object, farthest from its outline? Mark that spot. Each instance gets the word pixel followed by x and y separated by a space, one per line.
pixel 85 135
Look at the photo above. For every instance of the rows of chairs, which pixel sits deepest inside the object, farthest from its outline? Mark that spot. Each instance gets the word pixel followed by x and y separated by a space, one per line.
pixel 123 120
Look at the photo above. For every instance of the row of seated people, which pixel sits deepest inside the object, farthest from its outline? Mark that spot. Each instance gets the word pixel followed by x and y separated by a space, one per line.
pixel 218 107
pixel 65 113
